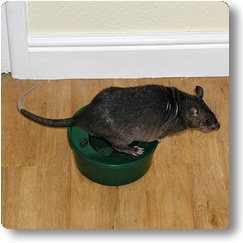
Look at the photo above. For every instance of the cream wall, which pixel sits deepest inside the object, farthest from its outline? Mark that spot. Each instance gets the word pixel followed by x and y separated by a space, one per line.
pixel 125 17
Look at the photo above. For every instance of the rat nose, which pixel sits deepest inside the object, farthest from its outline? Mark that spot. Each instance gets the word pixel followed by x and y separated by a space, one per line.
pixel 217 126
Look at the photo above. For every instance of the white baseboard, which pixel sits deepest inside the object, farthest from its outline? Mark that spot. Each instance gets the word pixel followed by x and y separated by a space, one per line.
pixel 5 59
pixel 5 65
pixel 128 56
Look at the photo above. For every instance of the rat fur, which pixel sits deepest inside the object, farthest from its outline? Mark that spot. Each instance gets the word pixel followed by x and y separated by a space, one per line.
pixel 143 113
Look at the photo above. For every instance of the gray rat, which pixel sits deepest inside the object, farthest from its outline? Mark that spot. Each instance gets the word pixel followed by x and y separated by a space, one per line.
pixel 143 113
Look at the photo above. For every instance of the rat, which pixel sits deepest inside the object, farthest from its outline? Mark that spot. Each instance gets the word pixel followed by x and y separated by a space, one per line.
pixel 142 113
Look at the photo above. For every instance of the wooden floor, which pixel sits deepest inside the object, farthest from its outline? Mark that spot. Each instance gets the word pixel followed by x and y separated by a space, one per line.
pixel 187 186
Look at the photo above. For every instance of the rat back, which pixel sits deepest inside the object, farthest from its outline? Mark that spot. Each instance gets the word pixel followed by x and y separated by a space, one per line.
pixel 136 113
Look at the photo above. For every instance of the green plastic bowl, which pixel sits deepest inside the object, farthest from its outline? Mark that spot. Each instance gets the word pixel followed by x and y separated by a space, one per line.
pixel 100 163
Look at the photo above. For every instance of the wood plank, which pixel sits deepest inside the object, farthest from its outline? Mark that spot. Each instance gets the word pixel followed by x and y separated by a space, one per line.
pixel 82 199
pixel 132 206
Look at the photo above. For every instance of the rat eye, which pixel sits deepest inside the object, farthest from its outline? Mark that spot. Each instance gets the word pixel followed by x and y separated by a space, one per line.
pixel 207 119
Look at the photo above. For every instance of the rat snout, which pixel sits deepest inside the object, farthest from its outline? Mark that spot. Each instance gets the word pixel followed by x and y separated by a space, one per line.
pixel 217 126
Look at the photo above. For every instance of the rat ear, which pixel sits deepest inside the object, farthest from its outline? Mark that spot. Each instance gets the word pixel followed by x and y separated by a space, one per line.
pixel 194 111
pixel 199 91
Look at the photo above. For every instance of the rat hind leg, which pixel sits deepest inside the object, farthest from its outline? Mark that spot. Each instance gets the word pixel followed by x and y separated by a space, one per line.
pixel 128 150
pixel 124 148
pixel 121 144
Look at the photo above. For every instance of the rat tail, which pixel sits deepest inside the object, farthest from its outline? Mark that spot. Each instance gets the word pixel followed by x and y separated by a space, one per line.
pixel 44 121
